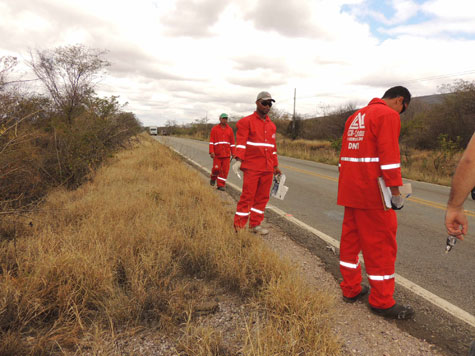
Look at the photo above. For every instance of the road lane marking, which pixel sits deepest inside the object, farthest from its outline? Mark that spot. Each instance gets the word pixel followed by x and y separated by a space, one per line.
pixel 308 172
pixel 400 280
pixel 412 198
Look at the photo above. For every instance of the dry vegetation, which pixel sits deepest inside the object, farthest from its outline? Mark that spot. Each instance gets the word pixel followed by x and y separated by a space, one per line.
pixel 140 247
pixel 312 150
pixel 432 135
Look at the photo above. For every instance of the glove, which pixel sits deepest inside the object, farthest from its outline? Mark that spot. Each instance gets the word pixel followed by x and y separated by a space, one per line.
pixel 397 202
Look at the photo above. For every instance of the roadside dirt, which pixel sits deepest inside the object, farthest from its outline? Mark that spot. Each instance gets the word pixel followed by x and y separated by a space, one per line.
pixel 360 331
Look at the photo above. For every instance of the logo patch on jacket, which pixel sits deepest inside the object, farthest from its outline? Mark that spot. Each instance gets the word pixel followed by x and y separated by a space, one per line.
pixel 356 130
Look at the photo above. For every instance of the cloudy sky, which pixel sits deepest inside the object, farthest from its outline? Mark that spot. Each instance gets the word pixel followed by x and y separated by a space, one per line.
pixel 184 60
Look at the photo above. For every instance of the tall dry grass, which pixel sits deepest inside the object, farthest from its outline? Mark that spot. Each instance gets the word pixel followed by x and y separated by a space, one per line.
pixel 128 250
pixel 432 166
pixel 312 150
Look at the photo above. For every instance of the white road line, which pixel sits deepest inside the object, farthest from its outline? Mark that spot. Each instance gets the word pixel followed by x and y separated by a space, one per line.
pixel 400 280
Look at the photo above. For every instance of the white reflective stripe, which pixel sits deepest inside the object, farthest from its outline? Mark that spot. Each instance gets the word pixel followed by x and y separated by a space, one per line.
pixel 259 144
pixel 274 153
pixel 241 214
pixel 211 143
pixel 350 265
pixel 222 143
pixel 257 211
pixel 221 179
pixel 390 166
pixel 233 145
pixel 362 159
pixel 381 278
pixel 240 146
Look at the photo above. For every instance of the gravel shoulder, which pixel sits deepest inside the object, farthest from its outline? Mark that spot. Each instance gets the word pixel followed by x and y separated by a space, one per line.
pixel 360 331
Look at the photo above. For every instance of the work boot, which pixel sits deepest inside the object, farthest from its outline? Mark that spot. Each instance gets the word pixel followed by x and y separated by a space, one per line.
pixel 212 182
pixel 364 291
pixel 473 197
pixel 259 230
pixel 221 189
pixel 397 311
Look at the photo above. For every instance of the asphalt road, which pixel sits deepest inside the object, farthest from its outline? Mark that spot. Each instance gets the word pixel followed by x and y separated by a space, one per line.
pixel 421 233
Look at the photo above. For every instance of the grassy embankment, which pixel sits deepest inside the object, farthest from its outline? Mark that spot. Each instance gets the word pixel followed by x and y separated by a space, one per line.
pixel 141 246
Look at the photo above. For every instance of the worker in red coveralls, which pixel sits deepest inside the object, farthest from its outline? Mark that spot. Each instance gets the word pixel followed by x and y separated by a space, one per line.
pixel 256 150
pixel 370 149
pixel 221 150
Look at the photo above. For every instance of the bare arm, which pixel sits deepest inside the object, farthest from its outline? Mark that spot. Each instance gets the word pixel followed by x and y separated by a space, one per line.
pixel 462 183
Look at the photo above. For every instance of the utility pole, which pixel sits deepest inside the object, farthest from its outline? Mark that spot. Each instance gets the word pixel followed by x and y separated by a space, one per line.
pixel 294 123
pixel 295 96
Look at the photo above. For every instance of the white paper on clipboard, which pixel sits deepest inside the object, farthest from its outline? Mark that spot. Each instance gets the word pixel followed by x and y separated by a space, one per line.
pixel 278 188
pixel 405 190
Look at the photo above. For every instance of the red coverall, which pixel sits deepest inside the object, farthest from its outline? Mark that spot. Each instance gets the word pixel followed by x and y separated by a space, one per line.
pixel 221 143
pixel 370 149
pixel 255 146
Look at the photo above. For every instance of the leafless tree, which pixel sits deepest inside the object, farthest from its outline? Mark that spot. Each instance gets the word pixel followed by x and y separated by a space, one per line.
pixel 69 74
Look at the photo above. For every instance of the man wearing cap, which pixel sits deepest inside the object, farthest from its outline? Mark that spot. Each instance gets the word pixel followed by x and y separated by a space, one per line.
pixel 256 150
pixel 221 150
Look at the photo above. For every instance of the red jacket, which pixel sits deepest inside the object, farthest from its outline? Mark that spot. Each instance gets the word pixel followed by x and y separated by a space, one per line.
pixel 369 149
pixel 221 141
pixel 255 143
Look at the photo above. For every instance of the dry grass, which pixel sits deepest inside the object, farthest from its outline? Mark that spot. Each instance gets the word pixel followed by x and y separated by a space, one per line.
pixel 128 251
pixel 436 166
pixel 312 150
pixel 429 166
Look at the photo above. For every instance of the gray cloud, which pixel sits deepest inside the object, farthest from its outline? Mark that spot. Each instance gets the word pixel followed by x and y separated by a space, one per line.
pixel 59 18
pixel 256 82
pixel 193 18
pixel 329 61
pixel 291 18
pixel 261 62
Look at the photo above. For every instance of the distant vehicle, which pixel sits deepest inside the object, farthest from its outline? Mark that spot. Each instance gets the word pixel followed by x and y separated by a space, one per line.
pixel 164 132
pixel 153 130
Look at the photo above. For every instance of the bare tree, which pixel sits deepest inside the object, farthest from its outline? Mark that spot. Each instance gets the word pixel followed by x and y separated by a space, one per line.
pixel 7 64
pixel 69 74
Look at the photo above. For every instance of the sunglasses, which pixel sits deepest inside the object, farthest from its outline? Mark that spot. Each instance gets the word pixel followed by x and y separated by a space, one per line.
pixel 266 103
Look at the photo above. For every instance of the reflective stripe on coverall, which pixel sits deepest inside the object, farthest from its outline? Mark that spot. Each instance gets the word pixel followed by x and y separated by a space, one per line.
pixel 373 232
pixel 222 144
pixel 220 170
pixel 255 146
pixel 370 149
pixel 254 197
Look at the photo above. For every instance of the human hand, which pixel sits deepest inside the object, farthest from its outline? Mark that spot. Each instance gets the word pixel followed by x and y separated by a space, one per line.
pixel 397 202
pixel 211 155
pixel 277 171
pixel 456 222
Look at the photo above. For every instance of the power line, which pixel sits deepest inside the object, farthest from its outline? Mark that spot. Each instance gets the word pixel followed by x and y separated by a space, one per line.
pixel 435 77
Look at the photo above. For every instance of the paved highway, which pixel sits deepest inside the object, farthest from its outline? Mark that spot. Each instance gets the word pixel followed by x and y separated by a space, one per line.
pixel 421 233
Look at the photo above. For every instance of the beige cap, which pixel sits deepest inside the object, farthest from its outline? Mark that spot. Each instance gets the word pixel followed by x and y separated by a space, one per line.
pixel 264 95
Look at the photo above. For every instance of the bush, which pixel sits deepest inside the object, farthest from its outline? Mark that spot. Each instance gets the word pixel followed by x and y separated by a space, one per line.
pixel 44 143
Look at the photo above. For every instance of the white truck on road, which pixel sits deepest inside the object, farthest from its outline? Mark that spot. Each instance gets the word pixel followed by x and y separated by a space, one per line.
pixel 153 130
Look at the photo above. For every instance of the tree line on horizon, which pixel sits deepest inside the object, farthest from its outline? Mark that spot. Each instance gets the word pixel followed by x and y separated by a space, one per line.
pixel 448 123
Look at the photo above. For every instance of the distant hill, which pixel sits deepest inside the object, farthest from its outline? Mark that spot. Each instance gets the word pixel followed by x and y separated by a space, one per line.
pixel 429 99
